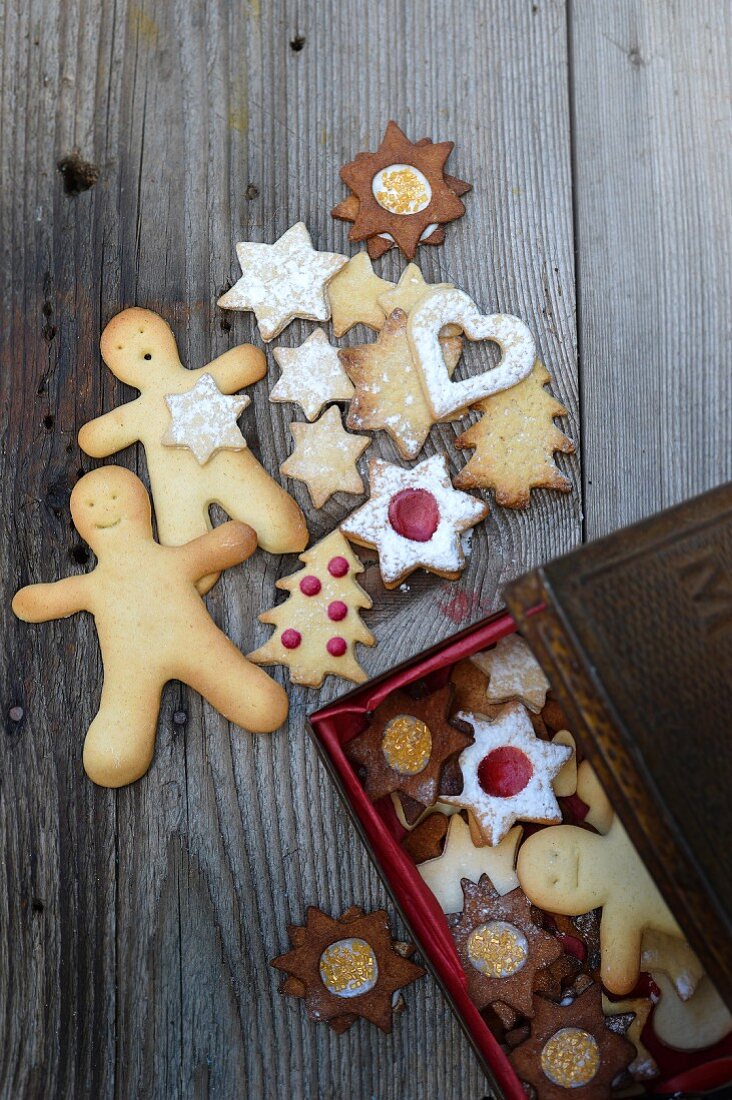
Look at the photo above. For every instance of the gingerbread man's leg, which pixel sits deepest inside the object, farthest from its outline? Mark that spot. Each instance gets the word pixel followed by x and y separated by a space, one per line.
pixel 120 742
pixel 239 690
pixel 620 946
pixel 246 492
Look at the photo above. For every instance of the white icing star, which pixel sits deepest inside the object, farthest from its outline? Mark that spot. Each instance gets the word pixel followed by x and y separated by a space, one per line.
pixel 312 375
pixel 513 673
pixel 461 859
pixel 494 814
pixel 204 420
pixel 283 280
pixel 451 512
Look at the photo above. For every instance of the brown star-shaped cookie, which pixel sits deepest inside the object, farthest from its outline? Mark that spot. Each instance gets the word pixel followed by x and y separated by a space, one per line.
pixel 400 191
pixel 406 745
pixel 346 968
pixel 426 839
pixel 571 1048
pixel 549 982
pixel 501 947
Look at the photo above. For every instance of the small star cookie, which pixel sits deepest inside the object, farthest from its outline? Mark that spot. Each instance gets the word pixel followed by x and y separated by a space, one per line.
pixel 325 457
pixel 507 774
pixel 311 375
pixel 282 281
pixel 388 391
pixel 461 860
pixel 204 420
pixel 513 673
pixel 414 519
pixel 354 295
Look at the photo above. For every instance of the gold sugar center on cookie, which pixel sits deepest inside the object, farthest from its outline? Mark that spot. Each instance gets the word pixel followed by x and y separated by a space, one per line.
pixel 401 189
pixel 497 949
pixel 407 744
pixel 348 968
pixel 571 1058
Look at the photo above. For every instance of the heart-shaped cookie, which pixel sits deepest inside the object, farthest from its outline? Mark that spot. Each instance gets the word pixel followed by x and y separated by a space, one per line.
pixel 446 307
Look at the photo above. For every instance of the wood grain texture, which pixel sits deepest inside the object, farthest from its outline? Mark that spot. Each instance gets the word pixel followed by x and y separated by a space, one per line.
pixel 136 926
pixel 652 121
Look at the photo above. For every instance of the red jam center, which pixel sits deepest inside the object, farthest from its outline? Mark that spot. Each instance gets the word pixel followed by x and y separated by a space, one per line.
pixel 504 772
pixel 338 567
pixel 291 638
pixel 310 586
pixel 413 513
pixel 336 646
pixel 337 611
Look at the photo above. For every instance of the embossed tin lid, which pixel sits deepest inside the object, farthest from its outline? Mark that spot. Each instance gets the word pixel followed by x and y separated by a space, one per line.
pixel 636 638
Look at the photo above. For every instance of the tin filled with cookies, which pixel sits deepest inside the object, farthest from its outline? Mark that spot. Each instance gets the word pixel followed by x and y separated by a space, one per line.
pixel 544 793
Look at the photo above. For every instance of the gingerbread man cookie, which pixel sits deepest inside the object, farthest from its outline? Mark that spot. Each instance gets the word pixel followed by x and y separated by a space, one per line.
pixel 570 870
pixel 173 418
pixel 153 625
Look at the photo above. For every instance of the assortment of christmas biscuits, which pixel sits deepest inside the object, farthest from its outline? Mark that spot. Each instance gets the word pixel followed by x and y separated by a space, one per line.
pixel 572 957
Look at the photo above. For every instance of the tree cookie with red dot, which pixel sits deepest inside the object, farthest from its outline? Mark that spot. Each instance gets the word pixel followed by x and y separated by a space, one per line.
pixel 406 745
pixel 507 774
pixel 501 946
pixel 570 1047
pixel 414 518
pixel 319 625
pixel 346 968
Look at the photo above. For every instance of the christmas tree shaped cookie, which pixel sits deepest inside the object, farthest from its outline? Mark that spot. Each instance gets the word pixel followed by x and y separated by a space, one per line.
pixel 319 624
pixel 515 441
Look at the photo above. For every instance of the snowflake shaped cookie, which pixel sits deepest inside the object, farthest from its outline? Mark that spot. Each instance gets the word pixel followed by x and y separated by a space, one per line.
pixel 204 420
pixel 507 774
pixel 312 375
pixel 283 280
pixel 414 519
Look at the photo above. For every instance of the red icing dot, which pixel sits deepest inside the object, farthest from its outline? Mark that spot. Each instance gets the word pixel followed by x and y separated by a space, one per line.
pixel 310 586
pixel 504 772
pixel 336 646
pixel 291 638
pixel 337 610
pixel 413 513
pixel 338 567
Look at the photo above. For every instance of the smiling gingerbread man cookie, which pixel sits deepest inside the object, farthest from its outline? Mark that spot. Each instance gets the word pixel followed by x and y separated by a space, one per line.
pixel 196 456
pixel 153 625
pixel 570 870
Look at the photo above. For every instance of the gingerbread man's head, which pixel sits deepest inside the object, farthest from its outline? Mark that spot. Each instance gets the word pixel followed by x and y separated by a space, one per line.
pixel 139 348
pixel 108 502
pixel 558 869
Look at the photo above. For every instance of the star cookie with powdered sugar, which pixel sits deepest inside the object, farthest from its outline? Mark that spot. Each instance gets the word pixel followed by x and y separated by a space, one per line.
pixel 282 281
pixel 204 420
pixel 311 376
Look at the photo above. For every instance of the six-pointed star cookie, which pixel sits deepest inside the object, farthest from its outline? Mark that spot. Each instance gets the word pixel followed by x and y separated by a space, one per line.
pixel 354 294
pixel 460 860
pixel 325 457
pixel 311 375
pixel 204 420
pixel 283 280
pixel 507 774
pixel 513 673
pixel 406 745
pixel 414 519
pixel 500 946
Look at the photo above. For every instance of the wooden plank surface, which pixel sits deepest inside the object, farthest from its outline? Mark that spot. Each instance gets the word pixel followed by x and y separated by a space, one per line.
pixel 653 159
pixel 137 925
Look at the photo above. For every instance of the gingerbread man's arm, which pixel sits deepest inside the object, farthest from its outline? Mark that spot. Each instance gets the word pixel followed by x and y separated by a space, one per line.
pixel 236 368
pixel 227 545
pixel 37 603
pixel 112 432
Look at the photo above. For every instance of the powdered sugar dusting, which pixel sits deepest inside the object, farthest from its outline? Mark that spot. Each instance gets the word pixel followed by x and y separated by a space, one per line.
pixel 283 280
pixel 311 375
pixel 513 673
pixel 536 801
pixel 204 420
pixel 399 556
pixel 447 307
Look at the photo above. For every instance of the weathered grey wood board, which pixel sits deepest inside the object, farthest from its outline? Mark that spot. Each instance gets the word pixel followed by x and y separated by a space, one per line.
pixel 136 926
